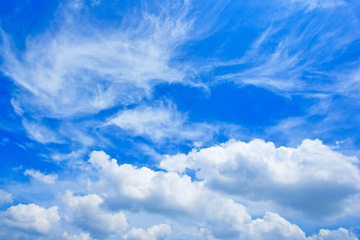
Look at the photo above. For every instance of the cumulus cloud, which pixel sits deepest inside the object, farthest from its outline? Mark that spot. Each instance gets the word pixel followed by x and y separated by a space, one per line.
pixel 192 204
pixel 168 193
pixel 156 232
pixel 273 227
pixel 177 196
pixel 86 213
pixel 30 218
pixel 160 122
pixel 340 233
pixel 312 178
pixel 48 179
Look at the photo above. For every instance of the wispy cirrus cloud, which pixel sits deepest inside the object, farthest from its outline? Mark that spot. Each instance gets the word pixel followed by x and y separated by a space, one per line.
pixel 78 69
pixel 313 4
pixel 41 133
pixel 295 63
pixel 161 122
pixel 68 73
pixel 292 58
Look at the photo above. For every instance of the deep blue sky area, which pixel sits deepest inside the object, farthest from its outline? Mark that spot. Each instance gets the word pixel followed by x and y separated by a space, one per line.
pixel 234 104
pixel 179 119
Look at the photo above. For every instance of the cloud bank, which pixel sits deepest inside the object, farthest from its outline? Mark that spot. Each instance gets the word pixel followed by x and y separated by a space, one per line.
pixel 312 178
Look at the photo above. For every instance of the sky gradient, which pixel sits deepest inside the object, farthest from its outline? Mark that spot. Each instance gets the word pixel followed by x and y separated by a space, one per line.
pixel 175 119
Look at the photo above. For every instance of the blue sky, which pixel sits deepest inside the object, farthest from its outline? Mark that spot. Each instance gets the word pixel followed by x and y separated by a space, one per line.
pixel 179 119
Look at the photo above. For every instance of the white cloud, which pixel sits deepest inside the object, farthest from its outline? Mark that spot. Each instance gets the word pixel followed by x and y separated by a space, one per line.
pixel 74 72
pixel 178 197
pixel 77 4
pixel 86 213
pixel 340 233
pixel 48 179
pixel 5 197
pixel 30 218
pixel 81 4
pixel 166 193
pixel 287 58
pixel 312 178
pixel 273 227
pixel 313 4
pixel 348 82
pixel 277 69
pixel 190 231
pixel 40 133
pixel 156 232
pixel 81 236
pixel 184 204
pixel 74 156
pixel 160 122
